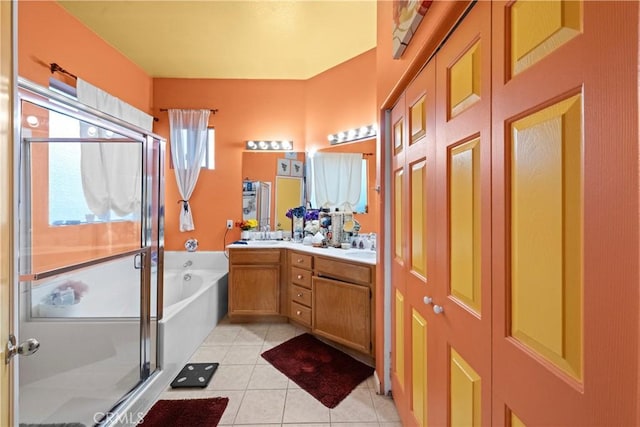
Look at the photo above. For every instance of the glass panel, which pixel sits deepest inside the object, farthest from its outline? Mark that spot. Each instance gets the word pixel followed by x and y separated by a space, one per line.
pixel 81 199
pixel 88 325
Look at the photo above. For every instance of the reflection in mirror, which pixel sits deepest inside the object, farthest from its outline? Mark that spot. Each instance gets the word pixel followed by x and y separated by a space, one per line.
pixel 266 167
pixel 368 215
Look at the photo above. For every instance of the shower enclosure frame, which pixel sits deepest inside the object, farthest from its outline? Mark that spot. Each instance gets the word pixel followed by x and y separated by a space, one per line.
pixel 151 250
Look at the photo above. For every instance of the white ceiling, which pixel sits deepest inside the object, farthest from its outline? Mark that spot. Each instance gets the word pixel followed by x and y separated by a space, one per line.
pixel 246 39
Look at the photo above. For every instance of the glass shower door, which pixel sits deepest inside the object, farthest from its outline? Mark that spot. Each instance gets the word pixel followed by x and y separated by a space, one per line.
pixel 87 255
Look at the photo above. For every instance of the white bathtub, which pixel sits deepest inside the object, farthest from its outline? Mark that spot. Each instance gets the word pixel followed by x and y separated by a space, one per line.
pixel 194 301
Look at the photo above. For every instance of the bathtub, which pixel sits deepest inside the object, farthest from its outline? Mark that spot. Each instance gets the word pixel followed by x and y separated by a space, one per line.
pixel 194 301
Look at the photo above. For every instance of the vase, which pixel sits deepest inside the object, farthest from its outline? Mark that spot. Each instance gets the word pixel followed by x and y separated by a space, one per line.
pixel 245 235
pixel 297 228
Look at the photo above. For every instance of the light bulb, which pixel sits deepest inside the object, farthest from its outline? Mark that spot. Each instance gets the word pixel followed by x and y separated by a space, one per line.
pixel 251 144
pixel 286 145
pixel 275 145
pixel 342 135
pixel 263 145
pixel 92 131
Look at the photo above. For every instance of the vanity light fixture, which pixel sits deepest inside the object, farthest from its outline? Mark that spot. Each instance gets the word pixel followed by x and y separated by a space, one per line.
pixel 356 134
pixel 269 145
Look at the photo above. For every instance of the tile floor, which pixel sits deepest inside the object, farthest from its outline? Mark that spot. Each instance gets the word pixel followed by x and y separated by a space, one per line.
pixel 259 395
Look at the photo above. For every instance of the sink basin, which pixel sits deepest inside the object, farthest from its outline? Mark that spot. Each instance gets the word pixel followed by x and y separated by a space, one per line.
pixel 361 254
pixel 262 242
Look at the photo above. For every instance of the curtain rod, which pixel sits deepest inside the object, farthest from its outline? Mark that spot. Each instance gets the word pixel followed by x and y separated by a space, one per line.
pixel 55 67
pixel 213 110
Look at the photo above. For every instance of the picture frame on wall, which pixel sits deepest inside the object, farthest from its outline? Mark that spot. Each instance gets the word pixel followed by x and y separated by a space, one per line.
pixel 297 168
pixel 407 15
pixel 284 167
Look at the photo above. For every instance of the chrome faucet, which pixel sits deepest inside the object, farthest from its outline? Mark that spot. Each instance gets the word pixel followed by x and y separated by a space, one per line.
pixel 189 263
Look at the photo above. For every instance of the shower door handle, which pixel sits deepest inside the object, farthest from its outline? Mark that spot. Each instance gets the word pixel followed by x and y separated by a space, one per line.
pixel 25 348
pixel 138 261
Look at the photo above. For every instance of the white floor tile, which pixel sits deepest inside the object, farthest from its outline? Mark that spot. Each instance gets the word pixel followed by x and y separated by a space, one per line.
pixel 358 406
pixel 231 377
pixel 301 407
pixel 242 355
pixel 385 408
pixel 265 377
pixel 261 407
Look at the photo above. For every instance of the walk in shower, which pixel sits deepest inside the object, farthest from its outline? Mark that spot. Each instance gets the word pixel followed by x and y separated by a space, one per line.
pixel 90 255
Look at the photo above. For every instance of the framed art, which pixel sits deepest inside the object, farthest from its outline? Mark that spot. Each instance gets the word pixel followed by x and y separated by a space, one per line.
pixel 284 167
pixel 407 15
pixel 297 168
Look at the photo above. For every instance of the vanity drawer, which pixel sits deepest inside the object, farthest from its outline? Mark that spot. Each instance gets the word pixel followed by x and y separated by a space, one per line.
pixel 301 277
pixel 254 256
pixel 349 272
pixel 300 313
pixel 301 295
pixel 296 259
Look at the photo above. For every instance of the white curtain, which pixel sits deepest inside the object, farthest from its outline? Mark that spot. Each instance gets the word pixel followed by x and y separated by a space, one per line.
pixel 188 148
pixel 337 180
pixel 111 172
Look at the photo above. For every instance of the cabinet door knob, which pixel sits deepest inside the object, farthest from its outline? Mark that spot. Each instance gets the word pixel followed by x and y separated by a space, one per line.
pixel 438 309
pixel 427 300
pixel 298 312
pixel 299 276
pixel 300 295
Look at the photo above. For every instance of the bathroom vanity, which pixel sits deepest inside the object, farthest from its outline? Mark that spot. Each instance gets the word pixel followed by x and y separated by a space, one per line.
pixel 329 291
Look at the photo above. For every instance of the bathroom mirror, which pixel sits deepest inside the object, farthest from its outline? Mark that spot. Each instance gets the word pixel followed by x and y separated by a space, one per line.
pixel 268 167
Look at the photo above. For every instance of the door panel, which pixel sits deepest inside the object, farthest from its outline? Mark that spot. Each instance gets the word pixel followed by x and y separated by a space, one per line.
pixel 462 284
pixel 420 158
pixel 546 233
pixel 565 144
pixel 419 365
pixel 465 407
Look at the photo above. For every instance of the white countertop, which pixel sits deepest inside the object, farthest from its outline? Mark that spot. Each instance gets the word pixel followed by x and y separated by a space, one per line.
pixel 358 255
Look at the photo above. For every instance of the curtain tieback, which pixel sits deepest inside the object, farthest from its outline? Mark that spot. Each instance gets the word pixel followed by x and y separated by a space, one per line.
pixel 185 205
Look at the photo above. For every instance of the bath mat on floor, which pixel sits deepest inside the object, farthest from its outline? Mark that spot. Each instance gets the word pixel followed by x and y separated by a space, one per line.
pixel 326 373
pixel 195 375
pixel 186 412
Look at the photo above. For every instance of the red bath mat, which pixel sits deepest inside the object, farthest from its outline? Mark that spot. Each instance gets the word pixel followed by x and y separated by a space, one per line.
pixel 326 373
pixel 186 412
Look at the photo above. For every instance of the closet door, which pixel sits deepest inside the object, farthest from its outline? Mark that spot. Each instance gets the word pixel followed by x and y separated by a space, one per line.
pixel 421 344
pixel 399 214
pixel 565 200
pixel 462 278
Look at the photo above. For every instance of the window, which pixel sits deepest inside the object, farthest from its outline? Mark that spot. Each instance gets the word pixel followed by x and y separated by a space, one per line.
pixel 208 161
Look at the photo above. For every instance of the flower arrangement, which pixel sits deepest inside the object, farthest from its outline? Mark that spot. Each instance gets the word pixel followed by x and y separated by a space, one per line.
pixel 301 212
pixel 249 224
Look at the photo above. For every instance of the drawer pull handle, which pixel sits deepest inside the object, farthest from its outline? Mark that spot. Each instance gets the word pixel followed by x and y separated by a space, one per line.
pixel 299 276
pixel 298 312
pixel 299 259
pixel 300 295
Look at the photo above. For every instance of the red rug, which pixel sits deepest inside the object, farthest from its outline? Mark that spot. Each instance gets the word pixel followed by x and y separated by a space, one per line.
pixel 326 373
pixel 186 412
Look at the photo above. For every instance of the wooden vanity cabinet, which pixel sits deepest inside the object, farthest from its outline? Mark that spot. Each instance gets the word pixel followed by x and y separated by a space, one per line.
pixel 300 287
pixel 255 284
pixel 343 303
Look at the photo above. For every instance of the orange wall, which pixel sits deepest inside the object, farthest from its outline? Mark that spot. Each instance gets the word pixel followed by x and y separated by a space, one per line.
pixel 341 98
pixel 248 109
pixel 47 33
